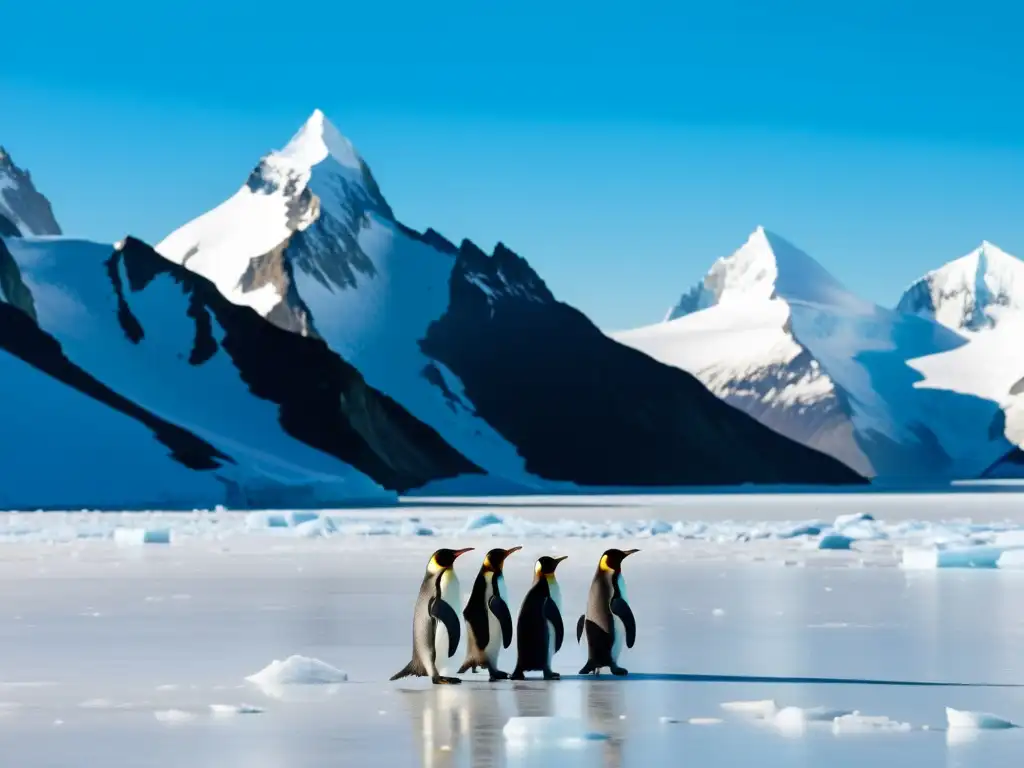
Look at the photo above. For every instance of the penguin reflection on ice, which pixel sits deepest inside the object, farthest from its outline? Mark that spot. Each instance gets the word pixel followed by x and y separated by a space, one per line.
pixel 609 621
pixel 435 623
pixel 488 621
pixel 540 630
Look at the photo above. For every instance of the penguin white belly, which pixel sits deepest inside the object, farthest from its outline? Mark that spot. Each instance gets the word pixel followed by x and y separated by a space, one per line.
pixel 619 637
pixel 556 596
pixel 494 638
pixel 451 594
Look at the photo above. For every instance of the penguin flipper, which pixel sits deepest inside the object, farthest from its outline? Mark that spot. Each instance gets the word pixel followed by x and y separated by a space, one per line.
pixel 500 610
pixel 444 613
pixel 551 614
pixel 580 623
pixel 621 609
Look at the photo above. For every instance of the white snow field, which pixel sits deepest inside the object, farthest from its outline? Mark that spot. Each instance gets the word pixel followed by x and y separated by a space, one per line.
pixel 266 640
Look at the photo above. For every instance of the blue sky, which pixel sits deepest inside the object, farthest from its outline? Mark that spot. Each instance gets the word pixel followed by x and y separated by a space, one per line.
pixel 620 149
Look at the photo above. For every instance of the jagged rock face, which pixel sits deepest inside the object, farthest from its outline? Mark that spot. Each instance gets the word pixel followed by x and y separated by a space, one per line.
pixel 22 208
pixel 581 407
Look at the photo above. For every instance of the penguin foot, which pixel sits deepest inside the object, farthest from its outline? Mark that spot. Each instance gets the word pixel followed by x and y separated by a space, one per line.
pixel 549 675
pixel 497 674
pixel 441 680
pixel 619 671
pixel 518 675
pixel 588 669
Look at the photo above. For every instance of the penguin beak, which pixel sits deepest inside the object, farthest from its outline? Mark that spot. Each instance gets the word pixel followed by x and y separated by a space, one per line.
pixel 560 559
pixel 629 552
pixel 510 551
pixel 461 552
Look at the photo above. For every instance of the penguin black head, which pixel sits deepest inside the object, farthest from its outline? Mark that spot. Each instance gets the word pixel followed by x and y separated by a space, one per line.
pixel 495 559
pixel 612 559
pixel 546 565
pixel 444 559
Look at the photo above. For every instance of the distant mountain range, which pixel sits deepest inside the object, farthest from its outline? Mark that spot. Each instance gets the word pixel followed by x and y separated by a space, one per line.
pixel 298 346
pixel 928 391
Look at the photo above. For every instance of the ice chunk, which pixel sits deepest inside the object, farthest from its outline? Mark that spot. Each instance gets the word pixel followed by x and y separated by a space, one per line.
pixel 525 732
pixel 133 537
pixel 704 721
pixel 763 709
pixel 954 557
pixel 316 528
pixel 794 720
pixel 843 521
pixel 1011 559
pixel 173 716
pixel 484 521
pixel 297 670
pixel 835 541
pixel 979 721
pixel 230 710
pixel 858 723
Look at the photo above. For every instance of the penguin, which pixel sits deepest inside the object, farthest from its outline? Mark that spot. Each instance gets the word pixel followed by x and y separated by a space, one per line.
pixel 488 621
pixel 435 624
pixel 539 630
pixel 609 621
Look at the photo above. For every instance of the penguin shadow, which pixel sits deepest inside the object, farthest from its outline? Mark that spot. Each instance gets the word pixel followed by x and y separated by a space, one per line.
pixel 451 722
pixel 604 710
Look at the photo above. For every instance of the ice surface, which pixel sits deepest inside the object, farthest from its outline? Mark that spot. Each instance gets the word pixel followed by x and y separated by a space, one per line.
pixel 977 720
pixel 135 536
pixel 525 732
pixel 174 716
pixel 230 710
pixel 263 593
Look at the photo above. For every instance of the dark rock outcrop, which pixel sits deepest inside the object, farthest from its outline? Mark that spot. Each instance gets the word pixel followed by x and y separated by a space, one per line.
pixel 581 407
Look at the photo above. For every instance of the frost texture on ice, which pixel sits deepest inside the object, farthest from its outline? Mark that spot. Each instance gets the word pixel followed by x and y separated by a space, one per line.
pixel 980 721
pixel 764 708
pixel 298 670
pixel 526 732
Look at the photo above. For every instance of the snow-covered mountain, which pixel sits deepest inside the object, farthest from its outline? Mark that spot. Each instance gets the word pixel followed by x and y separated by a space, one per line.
pixel 131 382
pixel 473 344
pixel 972 293
pixel 23 210
pixel 772 332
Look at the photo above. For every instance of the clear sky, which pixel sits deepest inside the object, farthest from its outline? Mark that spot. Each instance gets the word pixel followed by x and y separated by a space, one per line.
pixel 619 148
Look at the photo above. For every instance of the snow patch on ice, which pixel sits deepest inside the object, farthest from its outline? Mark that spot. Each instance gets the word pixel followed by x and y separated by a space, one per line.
pixel 298 670
pixel 764 709
pixel 858 723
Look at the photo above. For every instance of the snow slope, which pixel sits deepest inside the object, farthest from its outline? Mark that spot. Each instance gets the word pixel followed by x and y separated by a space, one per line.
pixel 23 210
pixel 272 418
pixel 770 331
pixel 972 293
pixel 310 243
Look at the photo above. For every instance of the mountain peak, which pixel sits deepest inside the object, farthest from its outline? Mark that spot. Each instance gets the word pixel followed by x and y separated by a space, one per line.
pixel 766 266
pixel 969 293
pixel 317 140
pixel 22 207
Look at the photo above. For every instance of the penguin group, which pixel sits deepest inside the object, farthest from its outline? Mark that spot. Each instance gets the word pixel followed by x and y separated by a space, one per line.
pixel 608 622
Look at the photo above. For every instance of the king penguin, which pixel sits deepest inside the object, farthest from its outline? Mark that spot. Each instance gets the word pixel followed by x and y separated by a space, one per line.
pixel 609 621
pixel 435 623
pixel 539 630
pixel 488 621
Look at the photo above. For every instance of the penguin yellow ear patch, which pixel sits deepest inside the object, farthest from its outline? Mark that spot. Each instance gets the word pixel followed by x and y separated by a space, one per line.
pixel 536 568
pixel 604 564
